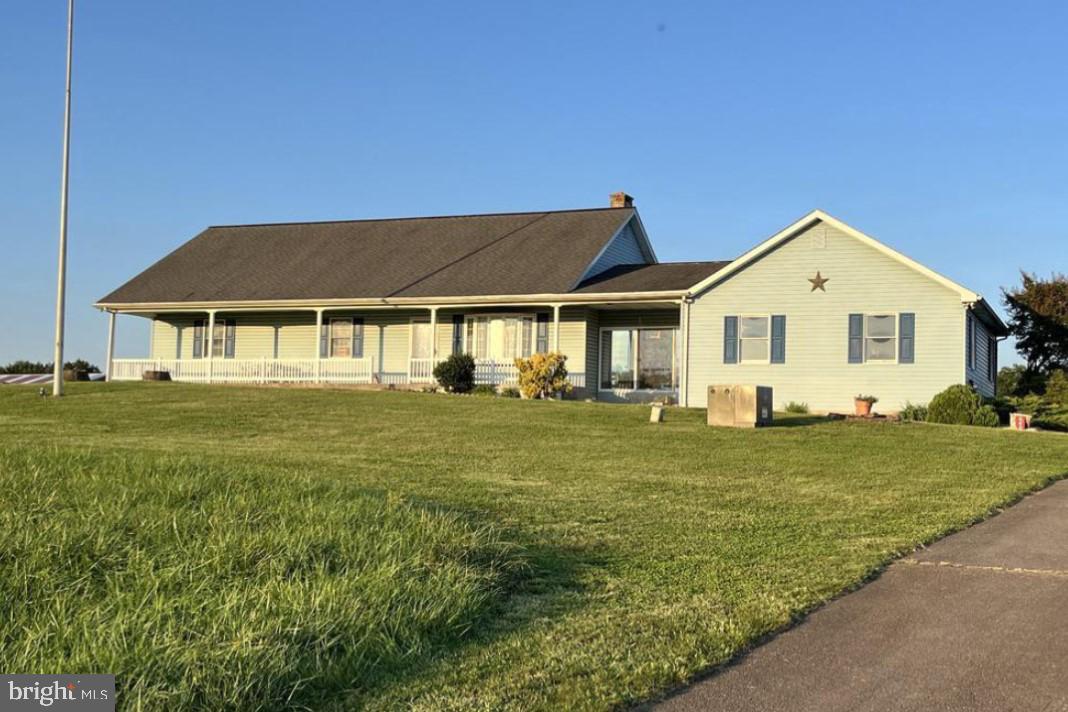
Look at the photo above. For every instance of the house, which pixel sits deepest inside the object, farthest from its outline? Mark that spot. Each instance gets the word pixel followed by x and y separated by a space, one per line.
pixel 819 311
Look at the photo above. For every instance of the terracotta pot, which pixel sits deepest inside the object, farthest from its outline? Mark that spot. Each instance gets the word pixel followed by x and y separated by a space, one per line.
pixel 863 408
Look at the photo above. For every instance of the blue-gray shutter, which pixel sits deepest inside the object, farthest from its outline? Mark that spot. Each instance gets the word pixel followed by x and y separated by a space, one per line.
pixel 970 339
pixel 357 337
pixel 542 345
pixel 778 338
pixel 856 338
pixel 906 343
pixel 730 339
pixel 992 359
pixel 324 340
pixel 229 336
pixel 198 338
pixel 457 333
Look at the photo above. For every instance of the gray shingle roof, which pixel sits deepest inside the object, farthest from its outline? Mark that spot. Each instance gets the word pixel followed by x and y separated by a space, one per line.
pixel 514 253
pixel 662 277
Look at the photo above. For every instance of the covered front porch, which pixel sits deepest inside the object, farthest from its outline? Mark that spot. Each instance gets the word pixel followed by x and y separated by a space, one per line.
pixel 356 371
pixel 616 350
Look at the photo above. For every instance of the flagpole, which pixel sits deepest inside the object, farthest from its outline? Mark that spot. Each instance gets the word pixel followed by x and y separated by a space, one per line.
pixel 61 287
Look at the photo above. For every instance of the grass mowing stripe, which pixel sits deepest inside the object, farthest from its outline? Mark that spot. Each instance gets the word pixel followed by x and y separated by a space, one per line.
pixel 646 553
pixel 211 588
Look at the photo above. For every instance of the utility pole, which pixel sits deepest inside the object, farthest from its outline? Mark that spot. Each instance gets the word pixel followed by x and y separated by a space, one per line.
pixel 61 286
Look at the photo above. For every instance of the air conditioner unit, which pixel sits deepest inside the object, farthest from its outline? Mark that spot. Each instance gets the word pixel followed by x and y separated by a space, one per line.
pixel 739 405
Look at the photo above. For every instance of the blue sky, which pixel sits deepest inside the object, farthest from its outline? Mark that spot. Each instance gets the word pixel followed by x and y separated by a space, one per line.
pixel 939 128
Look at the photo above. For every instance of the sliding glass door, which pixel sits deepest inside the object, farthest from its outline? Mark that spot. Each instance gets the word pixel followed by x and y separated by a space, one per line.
pixel 639 358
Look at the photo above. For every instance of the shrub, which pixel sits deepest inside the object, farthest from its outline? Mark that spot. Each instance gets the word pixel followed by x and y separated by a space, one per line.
pixel 81 365
pixel 1030 404
pixel 510 392
pixel 961 405
pixel 869 399
pixel 26 367
pixel 1057 388
pixel 19 367
pixel 484 389
pixel 795 407
pixel 543 375
pixel 456 374
pixel 986 417
pixel 956 405
pixel 913 412
pixel 1057 420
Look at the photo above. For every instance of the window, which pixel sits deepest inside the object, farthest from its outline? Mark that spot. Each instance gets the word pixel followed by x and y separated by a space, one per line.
pixel 753 339
pixel 222 339
pixel 421 344
pixel 341 337
pixel 880 337
pixel 638 358
pixel 500 338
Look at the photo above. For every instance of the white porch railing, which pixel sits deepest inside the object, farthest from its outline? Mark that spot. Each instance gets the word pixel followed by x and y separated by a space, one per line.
pixel 249 370
pixel 421 370
pixel 308 370
pixel 495 373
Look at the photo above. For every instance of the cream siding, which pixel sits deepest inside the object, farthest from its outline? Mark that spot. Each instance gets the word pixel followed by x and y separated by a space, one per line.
pixel 574 345
pixel 624 249
pixel 163 340
pixel 816 371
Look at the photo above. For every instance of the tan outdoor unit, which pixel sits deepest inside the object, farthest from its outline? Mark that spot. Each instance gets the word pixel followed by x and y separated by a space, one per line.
pixel 739 406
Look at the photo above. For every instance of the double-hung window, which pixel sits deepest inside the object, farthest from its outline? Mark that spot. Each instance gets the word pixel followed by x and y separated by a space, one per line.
pixel 341 337
pixel 754 339
pixel 221 341
pixel 880 337
pixel 639 358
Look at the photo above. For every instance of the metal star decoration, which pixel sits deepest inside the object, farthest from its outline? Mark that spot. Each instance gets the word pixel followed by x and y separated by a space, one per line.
pixel 818 281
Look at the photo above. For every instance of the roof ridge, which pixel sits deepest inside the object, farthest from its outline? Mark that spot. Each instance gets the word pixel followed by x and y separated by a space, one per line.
pixel 420 217
pixel 692 262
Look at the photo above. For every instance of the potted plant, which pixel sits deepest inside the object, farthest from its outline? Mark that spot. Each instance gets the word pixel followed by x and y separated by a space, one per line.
pixel 863 405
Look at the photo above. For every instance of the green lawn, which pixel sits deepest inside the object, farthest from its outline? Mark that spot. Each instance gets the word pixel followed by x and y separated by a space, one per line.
pixel 244 548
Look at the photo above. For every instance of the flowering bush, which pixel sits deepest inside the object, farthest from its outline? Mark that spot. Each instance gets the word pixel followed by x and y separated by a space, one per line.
pixel 543 375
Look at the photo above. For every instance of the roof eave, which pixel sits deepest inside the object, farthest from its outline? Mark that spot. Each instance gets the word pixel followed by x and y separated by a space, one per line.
pixel 397 302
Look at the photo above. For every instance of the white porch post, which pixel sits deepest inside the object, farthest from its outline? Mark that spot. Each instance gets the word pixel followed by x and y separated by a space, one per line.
pixel 111 345
pixel 318 345
pixel 684 353
pixel 556 327
pixel 433 337
pixel 209 342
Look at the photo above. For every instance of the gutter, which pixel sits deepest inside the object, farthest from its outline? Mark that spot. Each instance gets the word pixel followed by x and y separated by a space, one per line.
pixel 398 302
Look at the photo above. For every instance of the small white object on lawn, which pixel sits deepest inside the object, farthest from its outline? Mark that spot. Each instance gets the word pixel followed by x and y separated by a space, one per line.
pixel 657 414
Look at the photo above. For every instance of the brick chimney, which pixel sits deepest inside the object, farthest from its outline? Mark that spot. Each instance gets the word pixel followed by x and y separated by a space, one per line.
pixel 620 200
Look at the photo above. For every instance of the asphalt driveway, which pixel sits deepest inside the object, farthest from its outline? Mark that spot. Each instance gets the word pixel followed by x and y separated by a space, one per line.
pixel 978 621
